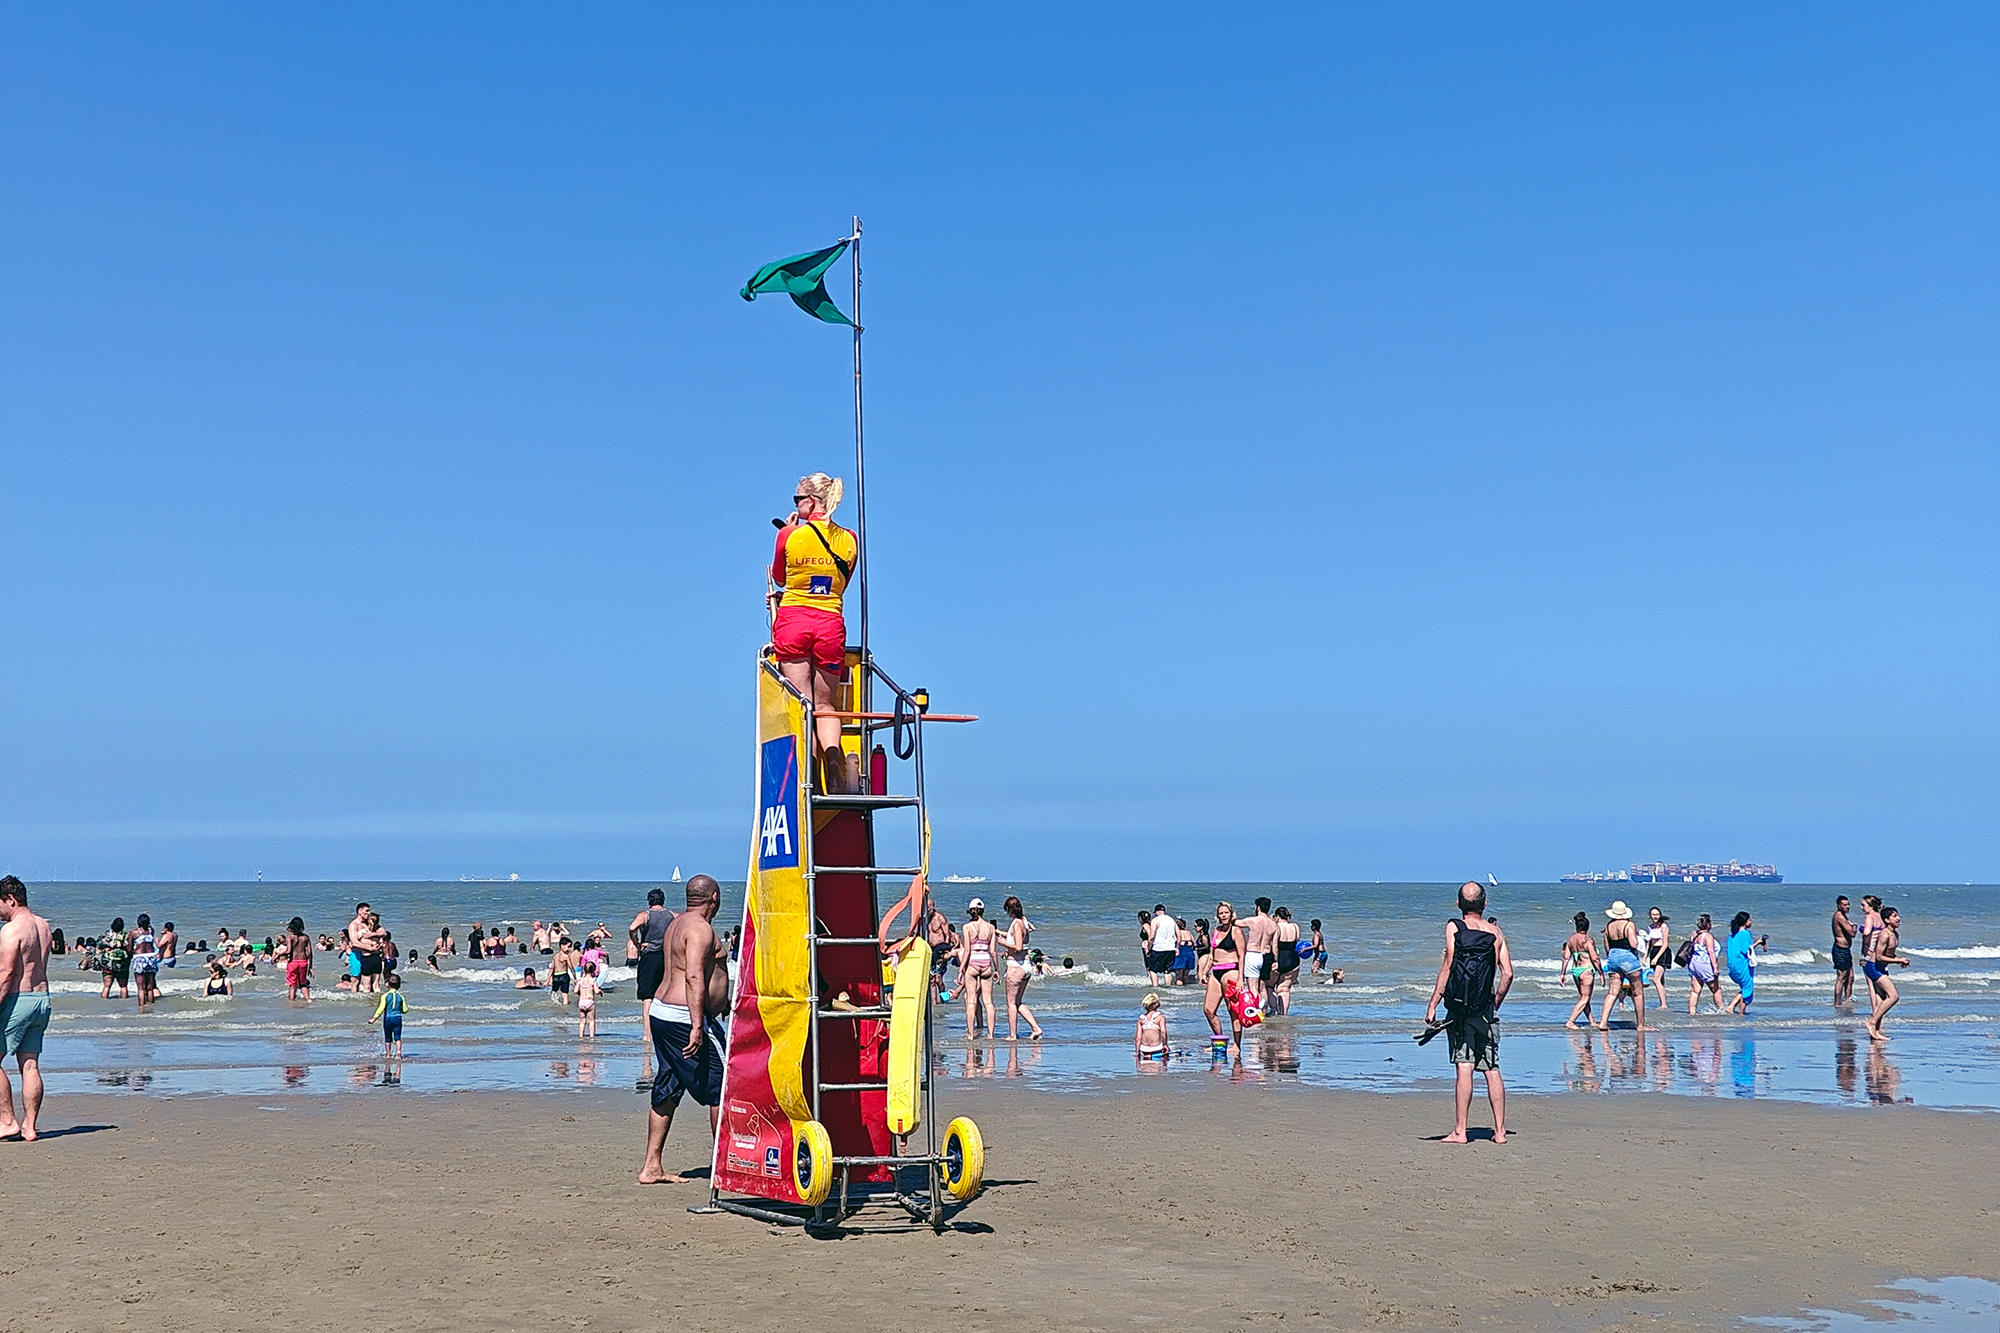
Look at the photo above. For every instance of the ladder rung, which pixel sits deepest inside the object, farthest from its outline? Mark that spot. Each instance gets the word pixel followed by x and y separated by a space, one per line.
pixel 853 1087
pixel 837 801
pixel 866 870
pixel 880 1011
pixel 846 939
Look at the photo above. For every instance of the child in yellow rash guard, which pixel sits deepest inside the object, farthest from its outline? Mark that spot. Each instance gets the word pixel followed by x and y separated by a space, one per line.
pixel 389 1011
pixel 811 568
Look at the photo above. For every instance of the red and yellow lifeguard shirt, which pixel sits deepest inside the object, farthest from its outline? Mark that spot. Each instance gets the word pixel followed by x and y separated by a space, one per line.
pixel 804 567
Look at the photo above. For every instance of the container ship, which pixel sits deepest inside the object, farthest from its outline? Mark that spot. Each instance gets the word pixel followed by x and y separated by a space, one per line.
pixel 1673 872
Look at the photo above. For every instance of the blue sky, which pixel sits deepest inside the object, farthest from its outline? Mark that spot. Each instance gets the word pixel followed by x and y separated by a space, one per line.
pixel 1321 444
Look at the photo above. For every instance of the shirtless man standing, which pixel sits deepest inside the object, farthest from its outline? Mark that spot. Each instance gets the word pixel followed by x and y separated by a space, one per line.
pixel 943 941
pixel 299 961
pixel 364 943
pixel 1260 945
pixel 686 1024
pixel 1843 953
pixel 24 1006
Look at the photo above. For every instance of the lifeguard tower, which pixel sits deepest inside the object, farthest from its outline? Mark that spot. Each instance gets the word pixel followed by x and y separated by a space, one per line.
pixel 828 1097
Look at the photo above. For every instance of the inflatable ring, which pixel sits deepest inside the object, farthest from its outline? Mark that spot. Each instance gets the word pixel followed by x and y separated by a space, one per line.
pixel 812 1163
pixel 964 1159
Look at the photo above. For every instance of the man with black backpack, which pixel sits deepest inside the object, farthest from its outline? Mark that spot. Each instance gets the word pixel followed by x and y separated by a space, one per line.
pixel 1471 984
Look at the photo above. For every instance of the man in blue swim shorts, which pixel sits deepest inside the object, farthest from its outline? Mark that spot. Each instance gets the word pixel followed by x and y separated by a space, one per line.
pixel 684 1017
pixel 24 1006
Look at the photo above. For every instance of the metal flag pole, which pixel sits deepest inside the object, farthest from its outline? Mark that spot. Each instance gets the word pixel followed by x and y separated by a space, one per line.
pixel 860 485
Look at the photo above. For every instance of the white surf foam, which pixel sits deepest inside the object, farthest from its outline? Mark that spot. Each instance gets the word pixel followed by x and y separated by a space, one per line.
pixel 1970 951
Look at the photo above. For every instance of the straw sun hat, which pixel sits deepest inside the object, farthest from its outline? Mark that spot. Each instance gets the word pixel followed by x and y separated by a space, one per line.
pixel 827 490
pixel 1618 911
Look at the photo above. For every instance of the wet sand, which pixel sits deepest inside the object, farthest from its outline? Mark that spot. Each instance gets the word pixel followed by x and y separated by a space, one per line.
pixel 1218 1207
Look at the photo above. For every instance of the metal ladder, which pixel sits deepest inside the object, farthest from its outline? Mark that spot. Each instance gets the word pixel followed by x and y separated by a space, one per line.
pixel 908 713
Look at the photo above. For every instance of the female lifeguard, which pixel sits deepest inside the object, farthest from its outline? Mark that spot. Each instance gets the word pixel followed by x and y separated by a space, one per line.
pixel 811 570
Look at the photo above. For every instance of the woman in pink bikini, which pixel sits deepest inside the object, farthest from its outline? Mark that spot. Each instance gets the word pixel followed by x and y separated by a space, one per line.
pixel 1225 960
pixel 978 942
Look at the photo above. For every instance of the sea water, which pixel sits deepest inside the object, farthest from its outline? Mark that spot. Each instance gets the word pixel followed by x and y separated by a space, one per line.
pixel 468 1028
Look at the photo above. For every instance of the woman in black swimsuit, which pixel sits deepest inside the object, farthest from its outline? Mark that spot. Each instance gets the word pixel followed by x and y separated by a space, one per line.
pixel 1287 961
pixel 218 981
pixel 1225 960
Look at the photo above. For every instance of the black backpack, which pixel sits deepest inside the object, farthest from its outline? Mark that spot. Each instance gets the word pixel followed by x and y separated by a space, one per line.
pixel 1474 960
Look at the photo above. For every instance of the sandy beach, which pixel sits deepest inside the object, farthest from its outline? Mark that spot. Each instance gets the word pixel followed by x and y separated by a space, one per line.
pixel 1148 1208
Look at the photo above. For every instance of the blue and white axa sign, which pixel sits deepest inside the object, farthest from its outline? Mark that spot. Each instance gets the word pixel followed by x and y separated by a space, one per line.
pixel 778 804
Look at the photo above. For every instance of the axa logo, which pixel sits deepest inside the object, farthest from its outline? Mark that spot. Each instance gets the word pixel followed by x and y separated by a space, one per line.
pixel 778 804
pixel 777 832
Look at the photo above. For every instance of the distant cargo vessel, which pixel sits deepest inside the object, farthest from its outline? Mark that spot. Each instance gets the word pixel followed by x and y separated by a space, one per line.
pixel 1673 872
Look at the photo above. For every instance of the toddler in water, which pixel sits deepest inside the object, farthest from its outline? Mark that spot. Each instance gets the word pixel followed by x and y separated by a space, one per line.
pixel 587 991
pixel 390 1010
pixel 1149 1039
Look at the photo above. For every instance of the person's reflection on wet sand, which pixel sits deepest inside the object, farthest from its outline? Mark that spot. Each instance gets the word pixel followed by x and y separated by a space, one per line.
pixel 1663 1063
pixel 1278 1053
pixel 1705 1062
pixel 1743 1068
pixel 364 1076
pixel 295 1075
pixel 1845 1072
pixel 1584 1077
pixel 1884 1079
pixel 1620 1066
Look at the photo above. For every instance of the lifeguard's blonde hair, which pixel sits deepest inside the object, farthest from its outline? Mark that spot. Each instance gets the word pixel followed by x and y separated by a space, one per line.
pixel 827 490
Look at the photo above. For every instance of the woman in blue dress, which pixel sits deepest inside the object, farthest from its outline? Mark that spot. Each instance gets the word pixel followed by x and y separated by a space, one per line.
pixel 1742 962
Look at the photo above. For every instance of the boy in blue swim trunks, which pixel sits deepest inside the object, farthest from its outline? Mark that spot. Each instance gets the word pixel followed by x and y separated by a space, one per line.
pixel 1881 957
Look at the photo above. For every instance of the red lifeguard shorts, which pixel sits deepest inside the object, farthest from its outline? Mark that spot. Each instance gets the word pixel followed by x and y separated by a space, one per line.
pixel 804 632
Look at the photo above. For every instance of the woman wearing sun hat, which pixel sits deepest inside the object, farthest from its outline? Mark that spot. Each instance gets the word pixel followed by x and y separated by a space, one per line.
pixel 1622 959
pixel 813 565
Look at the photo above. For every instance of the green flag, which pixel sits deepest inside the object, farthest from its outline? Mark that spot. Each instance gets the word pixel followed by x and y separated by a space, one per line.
pixel 802 277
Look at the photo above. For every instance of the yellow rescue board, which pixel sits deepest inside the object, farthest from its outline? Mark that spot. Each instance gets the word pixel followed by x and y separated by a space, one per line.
pixel 906 1034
